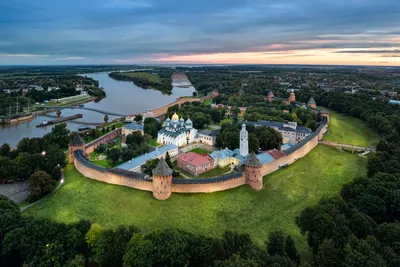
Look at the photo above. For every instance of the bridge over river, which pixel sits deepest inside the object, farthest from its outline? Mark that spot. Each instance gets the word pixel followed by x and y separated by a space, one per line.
pixel 156 112
pixel 90 109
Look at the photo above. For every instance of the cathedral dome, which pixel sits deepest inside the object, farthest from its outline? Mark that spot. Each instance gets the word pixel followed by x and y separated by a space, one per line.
pixel 168 120
pixel 188 122
pixel 181 120
pixel 175 117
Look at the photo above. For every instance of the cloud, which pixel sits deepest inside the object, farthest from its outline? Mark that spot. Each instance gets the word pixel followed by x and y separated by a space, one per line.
pixel 396 51
pixel 101 30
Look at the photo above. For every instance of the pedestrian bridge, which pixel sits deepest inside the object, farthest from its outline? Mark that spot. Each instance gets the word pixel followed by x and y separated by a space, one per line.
pixel 90 109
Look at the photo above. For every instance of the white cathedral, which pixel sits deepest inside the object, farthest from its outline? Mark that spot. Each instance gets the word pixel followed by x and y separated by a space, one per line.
pixel 177 132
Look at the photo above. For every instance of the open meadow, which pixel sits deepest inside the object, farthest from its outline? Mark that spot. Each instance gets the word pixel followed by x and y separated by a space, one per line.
pixel 286 193
pixel 348 130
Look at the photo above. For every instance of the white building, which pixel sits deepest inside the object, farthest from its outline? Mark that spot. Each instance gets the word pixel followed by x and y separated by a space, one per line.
pixel 291 132
pixel 244 141
pixel 177 132
pixel 207 137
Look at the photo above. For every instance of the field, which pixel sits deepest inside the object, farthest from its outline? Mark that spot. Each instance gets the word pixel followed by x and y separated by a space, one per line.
pixel 199 150
pixel 321 173
pixel 154 78
pixel 348 130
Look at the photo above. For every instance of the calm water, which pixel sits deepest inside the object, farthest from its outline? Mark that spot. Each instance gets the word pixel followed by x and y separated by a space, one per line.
pixel 122 97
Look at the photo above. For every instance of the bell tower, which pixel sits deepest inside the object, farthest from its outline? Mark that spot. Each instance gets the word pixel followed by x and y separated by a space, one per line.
pixel 244 141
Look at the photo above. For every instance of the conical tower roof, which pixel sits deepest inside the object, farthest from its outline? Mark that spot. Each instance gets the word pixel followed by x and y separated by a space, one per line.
pixel 162 168
pixel 77 141
pixel 252 160
pixel 311 101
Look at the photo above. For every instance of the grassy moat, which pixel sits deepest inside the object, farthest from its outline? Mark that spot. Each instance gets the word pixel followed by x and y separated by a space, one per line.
pixel 286 193
pixel 348 130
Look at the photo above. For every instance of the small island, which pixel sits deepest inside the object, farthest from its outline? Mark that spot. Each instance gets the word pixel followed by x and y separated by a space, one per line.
pixel 158 81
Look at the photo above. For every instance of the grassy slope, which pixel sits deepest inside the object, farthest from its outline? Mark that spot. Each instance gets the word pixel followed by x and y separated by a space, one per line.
pixel 347 130
pixel 286 193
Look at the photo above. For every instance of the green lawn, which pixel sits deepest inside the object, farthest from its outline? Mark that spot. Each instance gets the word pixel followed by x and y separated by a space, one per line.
pixel 154 78
pixel 199 150
pixel 226 121
pixel 208 102
pixel 103 162
pixel 348 130
pixel 215 172
pixel 153 142
pixel 287 192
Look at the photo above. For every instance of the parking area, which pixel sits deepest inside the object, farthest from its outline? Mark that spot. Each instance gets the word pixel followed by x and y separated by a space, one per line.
pixel 18 192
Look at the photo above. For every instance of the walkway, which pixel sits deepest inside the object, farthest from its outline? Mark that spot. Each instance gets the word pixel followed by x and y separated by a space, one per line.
pixel 17 192
pixel 335 144
pixel 90 109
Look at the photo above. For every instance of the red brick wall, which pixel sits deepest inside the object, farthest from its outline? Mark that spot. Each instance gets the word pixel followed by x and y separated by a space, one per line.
pixel 210 187
pixel 112 178
pixel 101 140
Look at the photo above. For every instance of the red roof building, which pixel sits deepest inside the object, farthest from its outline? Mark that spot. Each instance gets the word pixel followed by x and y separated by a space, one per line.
pixel 275 153
pixel 194 163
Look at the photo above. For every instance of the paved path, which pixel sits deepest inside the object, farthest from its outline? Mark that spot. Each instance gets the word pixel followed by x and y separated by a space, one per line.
pixel 17 192
pixel 335 144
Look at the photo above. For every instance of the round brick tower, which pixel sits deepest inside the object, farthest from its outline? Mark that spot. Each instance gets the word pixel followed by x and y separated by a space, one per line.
pixel 162 180
pixel 311 103
pixel 76 144
pixel 253 172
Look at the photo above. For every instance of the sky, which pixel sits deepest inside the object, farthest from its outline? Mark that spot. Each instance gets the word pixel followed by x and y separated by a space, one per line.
pixel 339 32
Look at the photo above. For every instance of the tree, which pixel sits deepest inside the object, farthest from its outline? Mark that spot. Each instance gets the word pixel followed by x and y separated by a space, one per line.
pixel 114 155
pixel 148 167
pixel 290 250
pixel 40 184
pixel 59 135
pixel 135 139
pixel 5 149
pixel 139 252
pixel 138 117
pixel 169 248
pixel 168 160
pixel 127 154
pixel 254 145
pixel 276 243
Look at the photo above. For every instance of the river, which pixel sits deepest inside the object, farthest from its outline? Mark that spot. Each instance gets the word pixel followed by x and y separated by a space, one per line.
pixel 122 97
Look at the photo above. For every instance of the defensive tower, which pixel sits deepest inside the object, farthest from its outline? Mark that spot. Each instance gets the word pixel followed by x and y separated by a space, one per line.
pixel 76 144
pixel 162 180
pixel 253 172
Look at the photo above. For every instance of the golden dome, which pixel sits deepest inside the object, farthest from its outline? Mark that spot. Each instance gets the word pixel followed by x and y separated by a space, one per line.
pixel 175 117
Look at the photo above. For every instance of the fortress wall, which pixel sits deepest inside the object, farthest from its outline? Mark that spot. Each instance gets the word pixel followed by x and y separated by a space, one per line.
pixel 89 172
pixel 289 159
pixel 101 140
pixel 141 184
pixel 209 187
pixel 111 178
